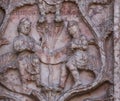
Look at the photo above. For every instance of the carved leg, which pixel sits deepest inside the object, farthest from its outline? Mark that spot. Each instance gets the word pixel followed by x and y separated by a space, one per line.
pixel 38 80
pixel 42 17
pixel 75 74
pixel 58 17
pixel 63 76
pixel 76 77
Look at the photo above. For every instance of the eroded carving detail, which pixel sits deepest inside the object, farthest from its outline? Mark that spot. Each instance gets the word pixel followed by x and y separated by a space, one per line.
pixel 46 6
pixel 79 46
pixel 70 58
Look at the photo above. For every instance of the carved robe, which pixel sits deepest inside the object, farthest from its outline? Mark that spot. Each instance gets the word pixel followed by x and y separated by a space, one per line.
pixel 27 60
pixel 79 58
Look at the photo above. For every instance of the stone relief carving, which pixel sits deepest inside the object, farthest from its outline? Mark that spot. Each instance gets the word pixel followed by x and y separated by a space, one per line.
pixel 79 46
pixel 116 51
pixel 45 6
pixel 61 55
pixel 28 62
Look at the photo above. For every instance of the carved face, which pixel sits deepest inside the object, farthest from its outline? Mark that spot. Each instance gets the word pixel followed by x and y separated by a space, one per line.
pixel 35 60
pixel 73 31
pixel 24 26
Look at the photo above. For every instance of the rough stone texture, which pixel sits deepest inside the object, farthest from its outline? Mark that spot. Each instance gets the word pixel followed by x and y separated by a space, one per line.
pixel 59 50
pixel 117 51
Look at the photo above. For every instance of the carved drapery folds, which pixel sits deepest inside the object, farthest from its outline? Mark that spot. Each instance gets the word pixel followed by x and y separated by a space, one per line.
pixel 56 50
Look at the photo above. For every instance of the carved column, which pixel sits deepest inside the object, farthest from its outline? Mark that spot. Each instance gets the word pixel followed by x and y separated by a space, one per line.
pixel 117 50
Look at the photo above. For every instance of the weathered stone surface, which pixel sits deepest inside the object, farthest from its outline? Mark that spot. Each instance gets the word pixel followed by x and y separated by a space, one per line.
pixel 59 50
pixel 117 51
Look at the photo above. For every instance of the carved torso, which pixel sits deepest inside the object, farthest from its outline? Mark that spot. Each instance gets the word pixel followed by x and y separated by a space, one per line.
pixel 24 43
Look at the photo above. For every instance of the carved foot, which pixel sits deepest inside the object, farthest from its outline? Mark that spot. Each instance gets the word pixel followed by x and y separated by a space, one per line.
pixel 45 87
pixel 38 83
pixel 34 92
pixel 49 88
pixel 58 18
pixel 78 83
pixel 57 89
pixel 38 95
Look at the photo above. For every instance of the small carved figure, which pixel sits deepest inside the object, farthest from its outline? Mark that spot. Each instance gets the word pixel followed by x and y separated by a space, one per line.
pixel 79 46
pixel 34 69
pixel 24 45
pixel 23 41
pixel 29 68
pixel 53 5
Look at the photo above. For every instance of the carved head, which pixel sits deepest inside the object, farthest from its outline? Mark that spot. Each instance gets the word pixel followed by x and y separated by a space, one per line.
pixel 24 26
pixel 73 29
pixel 35 60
